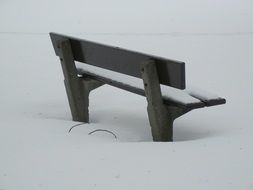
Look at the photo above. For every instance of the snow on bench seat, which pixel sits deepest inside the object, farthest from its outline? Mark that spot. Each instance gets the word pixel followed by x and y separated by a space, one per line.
pixel 182 98
pixel 208 98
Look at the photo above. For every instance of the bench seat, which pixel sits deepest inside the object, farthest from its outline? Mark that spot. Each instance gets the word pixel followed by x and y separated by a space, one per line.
pixel 187 99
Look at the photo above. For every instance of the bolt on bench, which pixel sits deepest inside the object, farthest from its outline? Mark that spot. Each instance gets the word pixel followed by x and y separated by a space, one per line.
pixel 161 81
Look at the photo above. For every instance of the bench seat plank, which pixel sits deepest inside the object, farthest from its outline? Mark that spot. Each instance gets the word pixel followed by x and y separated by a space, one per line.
pixel 208 98
pixel 171 96
pixel 191 98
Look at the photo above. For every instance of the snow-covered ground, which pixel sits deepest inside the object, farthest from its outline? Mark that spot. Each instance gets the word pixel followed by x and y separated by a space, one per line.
pixel 213 146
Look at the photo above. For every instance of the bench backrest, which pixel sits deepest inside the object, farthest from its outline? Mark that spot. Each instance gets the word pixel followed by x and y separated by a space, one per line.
pixel 171 73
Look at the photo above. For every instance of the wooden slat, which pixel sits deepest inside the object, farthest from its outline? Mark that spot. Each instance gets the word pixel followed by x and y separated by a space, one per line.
pixel 209 101
pixel 171 73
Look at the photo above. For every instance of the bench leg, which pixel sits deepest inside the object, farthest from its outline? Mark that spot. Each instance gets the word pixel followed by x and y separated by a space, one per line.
pixel 161 123
pixel 77 89
pixel 88 85
pixel 160 119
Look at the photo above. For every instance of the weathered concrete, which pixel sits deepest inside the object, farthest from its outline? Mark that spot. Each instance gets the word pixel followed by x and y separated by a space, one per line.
pixel 77 88
pixel 159 118
pixel 88 86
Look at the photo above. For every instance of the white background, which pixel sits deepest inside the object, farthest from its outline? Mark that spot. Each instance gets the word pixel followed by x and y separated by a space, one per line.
pixel 213 146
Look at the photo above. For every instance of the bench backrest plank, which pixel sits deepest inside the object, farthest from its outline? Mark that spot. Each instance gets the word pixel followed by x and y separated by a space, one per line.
pixel 171 72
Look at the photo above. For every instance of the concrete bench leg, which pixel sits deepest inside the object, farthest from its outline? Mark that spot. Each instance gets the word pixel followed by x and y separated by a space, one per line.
pixel 160 119
pixel 77 89
pixel 88 86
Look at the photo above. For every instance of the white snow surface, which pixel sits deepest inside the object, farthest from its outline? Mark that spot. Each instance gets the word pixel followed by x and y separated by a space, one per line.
pixel 201 93
pixel 212 147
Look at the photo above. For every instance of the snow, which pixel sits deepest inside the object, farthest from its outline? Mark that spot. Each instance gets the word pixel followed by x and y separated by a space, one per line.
pixel 170 93
pixel 201 94
pixel 213 146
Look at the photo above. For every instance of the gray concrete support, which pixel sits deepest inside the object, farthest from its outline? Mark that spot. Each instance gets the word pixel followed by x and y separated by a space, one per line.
pixel 77 88
pixel 159 118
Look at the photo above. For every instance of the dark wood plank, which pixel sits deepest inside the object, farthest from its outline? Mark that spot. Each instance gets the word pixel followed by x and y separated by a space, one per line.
pixel 171 73
pixel 209 101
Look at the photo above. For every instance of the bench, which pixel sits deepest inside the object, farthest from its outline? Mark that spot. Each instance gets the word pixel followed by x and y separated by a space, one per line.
pixel 88 65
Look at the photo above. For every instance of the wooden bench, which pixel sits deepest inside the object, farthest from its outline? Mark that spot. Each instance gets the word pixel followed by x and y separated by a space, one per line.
pixel 160 80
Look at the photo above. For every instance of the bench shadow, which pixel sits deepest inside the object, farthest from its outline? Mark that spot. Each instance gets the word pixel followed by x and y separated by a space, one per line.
pixel 132 127
pixel 135 127
pixel 191 132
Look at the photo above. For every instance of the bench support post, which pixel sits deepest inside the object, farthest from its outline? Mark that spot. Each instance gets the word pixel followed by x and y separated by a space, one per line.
pixel 160 119
pixel 77 89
